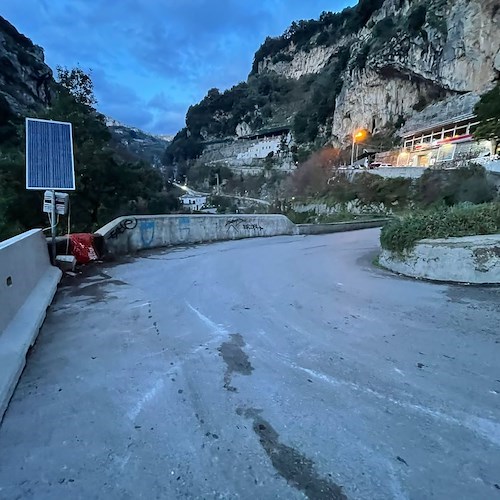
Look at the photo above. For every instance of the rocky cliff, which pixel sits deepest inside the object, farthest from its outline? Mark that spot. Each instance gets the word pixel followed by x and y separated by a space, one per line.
pixel 26 82
pixel 377 65
pixel 408 55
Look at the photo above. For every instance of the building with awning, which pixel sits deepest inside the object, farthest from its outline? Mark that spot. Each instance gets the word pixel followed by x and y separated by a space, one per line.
pixel 442 142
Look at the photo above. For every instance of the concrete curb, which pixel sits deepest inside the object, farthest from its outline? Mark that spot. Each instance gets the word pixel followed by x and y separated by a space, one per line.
pixel 26 290
pixel 471 259
pixel 337 227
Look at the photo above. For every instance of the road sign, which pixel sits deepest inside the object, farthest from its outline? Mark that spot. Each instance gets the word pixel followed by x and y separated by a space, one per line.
pixel 49 155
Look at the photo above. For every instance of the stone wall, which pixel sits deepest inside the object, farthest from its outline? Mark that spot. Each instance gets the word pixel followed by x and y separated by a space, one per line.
pixel 353 207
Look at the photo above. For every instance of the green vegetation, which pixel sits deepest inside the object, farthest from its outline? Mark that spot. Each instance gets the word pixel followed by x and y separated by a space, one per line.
pixel 450 187
pixel 324 31
pixel 488 112
pixel 446 222
pixel 106 186
pixel 318 110
pixel 416 19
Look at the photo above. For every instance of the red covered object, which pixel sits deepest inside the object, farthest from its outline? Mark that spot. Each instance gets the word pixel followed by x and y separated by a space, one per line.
pixel 82 246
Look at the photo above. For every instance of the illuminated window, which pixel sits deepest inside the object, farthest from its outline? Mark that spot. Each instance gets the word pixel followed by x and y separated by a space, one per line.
pixel 446 152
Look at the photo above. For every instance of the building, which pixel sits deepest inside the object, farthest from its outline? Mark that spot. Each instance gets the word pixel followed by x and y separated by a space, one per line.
pixel 442 142
pixel 193 202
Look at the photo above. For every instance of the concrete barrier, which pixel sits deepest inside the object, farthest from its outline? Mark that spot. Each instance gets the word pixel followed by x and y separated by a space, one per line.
pixel 471 259
pixel 28 283
pixel 130 234
pixel 336 227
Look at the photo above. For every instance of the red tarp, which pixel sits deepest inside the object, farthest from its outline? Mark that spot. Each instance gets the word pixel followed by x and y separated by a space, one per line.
pixel 82 246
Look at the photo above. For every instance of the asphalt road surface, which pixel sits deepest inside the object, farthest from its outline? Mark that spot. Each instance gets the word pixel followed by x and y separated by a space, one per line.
pixel 286 367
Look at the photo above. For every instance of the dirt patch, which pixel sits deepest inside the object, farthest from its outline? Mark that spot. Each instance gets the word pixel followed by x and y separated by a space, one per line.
pixel 298 470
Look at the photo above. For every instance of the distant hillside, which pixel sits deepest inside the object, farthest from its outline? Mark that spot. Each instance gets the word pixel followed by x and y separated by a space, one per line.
pixel 134 144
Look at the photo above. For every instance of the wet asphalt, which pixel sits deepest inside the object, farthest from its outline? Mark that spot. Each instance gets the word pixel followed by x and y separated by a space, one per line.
pixel 287 367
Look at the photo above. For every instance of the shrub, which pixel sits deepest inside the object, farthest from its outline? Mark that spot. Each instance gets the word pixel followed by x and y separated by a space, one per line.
pixel 376 189
pixel 460 220
pixel 362 56
pixel 416 19
pixel 449 187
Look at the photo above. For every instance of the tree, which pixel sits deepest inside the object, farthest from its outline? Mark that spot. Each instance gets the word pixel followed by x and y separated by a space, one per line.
pixel 488 113
pixel 106 185
pixel 78 83
pixel 311 178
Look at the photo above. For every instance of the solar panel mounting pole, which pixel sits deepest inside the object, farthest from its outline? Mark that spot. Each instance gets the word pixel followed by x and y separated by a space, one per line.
pixel 53 227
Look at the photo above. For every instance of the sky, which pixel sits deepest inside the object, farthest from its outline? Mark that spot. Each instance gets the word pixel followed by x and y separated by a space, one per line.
pixel 152 59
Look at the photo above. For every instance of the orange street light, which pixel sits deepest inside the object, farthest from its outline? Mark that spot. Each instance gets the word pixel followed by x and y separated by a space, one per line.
pixel 357 136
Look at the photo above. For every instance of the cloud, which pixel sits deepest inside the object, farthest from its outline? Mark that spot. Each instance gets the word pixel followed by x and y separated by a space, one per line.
pixel 151 59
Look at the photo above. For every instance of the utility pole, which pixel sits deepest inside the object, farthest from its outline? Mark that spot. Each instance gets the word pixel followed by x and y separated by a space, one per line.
pixel 352 151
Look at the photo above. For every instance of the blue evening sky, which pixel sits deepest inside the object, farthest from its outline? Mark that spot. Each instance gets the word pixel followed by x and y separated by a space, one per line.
pixel 151 59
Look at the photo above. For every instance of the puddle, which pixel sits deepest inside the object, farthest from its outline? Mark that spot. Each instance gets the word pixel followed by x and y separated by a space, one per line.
pixel 235 358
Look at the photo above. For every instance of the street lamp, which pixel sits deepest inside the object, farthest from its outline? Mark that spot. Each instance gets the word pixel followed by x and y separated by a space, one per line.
pixel 357 135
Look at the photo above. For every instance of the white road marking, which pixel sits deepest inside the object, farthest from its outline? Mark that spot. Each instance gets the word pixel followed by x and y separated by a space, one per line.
pixel 488 429
pixel 218 330
pixel 141 305
pixel 134 412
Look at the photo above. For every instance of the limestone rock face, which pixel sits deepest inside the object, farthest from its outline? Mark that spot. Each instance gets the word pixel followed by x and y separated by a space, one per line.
pixel 301 63
pixel 412 72
pixel 25 80
pixel 243 129
pixel 455 52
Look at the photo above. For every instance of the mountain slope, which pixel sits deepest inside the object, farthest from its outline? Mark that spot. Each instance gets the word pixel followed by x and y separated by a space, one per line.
pixel 375 65
pixel 134 144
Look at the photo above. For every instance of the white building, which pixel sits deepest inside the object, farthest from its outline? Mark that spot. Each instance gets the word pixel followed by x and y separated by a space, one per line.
pixel 443 142
pixel 193 202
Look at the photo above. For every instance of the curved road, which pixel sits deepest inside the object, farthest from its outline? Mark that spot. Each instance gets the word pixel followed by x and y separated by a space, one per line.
pixel 286 367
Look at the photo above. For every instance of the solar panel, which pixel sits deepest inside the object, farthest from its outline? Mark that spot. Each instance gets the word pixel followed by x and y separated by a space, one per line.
pixel 49 155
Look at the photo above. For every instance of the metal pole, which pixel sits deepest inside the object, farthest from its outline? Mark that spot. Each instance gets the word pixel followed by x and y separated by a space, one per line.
pixel 352 152
pixel 53 228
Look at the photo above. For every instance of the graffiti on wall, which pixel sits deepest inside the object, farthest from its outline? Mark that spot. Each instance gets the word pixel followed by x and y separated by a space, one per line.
pixel 125 225
pixel 147 229
pixel 184 228
pixel 238 223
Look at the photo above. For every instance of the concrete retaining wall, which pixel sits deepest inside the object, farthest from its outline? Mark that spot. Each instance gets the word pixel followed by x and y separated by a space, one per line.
pixel 472 259
pixel 337 227
pixel 130 234
pixel 391 172
pixel 28 283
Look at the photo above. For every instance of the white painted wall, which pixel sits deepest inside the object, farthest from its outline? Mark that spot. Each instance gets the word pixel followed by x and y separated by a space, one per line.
pixel 193 202
pixel 261 149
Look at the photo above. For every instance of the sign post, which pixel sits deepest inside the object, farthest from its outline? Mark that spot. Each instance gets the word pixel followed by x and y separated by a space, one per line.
pixel 53 227
pixel 50 164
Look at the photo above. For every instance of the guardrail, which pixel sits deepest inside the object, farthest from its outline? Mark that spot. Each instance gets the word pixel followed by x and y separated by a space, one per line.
pixel 28 283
